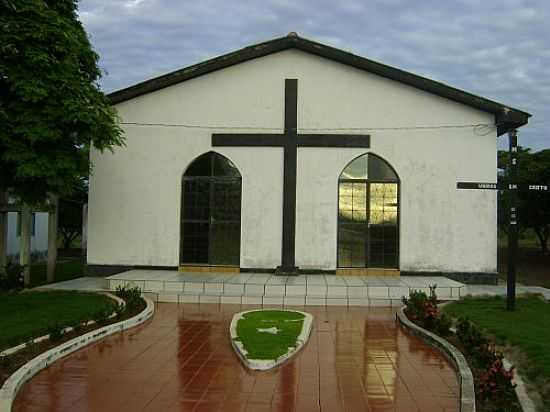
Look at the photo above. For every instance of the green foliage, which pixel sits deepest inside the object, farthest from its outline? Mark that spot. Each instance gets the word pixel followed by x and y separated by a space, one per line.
pixel 27 314
pixel 56 331
pixel 261 345
pixel 52 110
pixel 422 309
pixel 119 309
pixel 534 207
pixel 527 329
pixel 132 296
pixel 11 276
pixel 493 381
pixel 101 316
pixel 495 388
pixel 476 345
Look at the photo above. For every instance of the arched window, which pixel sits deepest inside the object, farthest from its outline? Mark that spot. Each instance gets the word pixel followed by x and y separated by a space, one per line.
pixel 368 214
pixel 211 212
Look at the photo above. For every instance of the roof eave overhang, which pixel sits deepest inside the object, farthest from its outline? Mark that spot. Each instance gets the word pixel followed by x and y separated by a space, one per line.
pixel 506 118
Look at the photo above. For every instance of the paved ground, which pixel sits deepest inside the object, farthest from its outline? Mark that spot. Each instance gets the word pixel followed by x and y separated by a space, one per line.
pixel 357 359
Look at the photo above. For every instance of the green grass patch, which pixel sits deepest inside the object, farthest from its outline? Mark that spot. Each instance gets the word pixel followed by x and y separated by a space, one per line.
pixel 262 345
pixel 28 314
pixel 527 328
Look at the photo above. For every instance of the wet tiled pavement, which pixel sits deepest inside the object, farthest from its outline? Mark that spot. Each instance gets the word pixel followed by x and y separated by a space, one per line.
pixel 357 359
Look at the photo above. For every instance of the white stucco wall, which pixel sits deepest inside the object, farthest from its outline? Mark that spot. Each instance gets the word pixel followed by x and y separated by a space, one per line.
pixel 39 241
pixel 134 204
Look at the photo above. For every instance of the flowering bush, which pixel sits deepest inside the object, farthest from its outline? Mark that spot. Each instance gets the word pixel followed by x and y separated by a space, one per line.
pixel 422 309
pixel 495 387
pixel 493 381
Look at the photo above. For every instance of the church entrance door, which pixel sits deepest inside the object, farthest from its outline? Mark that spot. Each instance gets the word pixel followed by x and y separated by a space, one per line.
pixel 211 212
pixel 368 214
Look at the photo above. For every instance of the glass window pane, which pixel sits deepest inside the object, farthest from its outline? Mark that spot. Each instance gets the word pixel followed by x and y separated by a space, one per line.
pixel 351 245
pixel 380 170
pixel 195 243
pixel 211 212
pixel 201 166
pixel 224 167
pixel 368 214
pixel 224 243
pixel 196 200
pixel 357 169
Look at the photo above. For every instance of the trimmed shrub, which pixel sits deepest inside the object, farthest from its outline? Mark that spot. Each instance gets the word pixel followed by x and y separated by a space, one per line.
pixel 422 309
pixel 11 276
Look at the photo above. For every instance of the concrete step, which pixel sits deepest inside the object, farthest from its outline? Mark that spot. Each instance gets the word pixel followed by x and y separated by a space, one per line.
pixel 261 289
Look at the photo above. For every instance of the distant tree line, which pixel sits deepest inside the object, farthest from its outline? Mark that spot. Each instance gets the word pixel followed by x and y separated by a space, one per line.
pixel 534 206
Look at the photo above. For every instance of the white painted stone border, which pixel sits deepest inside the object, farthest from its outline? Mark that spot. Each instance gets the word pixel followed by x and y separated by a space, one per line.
pixel 526 402
pixel 14 349
pixel 12 385
pixel 464 373
pixel 262 364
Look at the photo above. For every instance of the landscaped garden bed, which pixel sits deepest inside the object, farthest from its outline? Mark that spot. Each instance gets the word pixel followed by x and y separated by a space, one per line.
pixel 61 315
pixel 494 390
pixel 265 338
pixel 524 335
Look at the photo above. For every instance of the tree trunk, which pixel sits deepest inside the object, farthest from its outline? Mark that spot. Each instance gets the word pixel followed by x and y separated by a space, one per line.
pixel 52 237
pixel 3 231
pixel 25 244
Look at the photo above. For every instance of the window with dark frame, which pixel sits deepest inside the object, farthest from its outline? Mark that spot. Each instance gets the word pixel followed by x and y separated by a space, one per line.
pixel 368 214
pixel 211 212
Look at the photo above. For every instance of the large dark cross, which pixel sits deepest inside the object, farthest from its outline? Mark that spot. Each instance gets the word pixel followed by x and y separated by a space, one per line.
pixel 290 140
pixel 513 189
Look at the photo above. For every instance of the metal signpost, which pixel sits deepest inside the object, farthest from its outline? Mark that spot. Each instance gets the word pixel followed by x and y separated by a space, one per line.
pixel 512 189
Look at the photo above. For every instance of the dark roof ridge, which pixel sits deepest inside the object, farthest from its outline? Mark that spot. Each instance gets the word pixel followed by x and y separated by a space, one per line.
pixel 506 117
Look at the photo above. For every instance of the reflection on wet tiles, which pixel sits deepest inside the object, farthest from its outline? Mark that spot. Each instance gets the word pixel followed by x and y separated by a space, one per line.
pixel 356 359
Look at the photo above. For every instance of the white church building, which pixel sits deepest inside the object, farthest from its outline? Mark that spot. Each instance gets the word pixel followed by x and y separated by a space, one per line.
pixel 292 156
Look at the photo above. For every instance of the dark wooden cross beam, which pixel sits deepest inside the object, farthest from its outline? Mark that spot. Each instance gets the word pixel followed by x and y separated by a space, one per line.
pixel 513 189
pixel 290 140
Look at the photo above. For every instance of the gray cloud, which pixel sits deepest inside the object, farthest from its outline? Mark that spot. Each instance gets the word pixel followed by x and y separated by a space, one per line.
pixel 500 50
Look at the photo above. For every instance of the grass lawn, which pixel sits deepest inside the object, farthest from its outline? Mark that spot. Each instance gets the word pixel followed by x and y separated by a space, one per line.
pixel 28 314
pixel 528 328
pixel 262 345
pixel 65 269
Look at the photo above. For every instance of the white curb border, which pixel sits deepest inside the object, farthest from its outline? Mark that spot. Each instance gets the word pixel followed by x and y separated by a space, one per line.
pixel 262 364
pixel 526 402
pixel 12 385
pixel 464 374
pixel 14 349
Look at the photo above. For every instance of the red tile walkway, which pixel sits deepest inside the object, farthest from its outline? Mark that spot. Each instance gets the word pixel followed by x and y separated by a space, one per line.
pixel 357 359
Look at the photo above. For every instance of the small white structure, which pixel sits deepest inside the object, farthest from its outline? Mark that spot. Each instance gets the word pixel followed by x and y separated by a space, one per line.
pixel 292 155
pixel 39 235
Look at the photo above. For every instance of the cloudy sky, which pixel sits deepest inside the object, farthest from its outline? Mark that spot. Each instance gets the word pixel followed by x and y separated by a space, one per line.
pixel 497 49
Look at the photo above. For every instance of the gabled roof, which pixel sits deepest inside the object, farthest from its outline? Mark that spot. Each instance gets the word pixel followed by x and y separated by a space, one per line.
pixel 506 118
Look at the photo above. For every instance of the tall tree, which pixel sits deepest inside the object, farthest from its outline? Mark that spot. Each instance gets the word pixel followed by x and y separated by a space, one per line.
pixel 52 110
pixel 534 206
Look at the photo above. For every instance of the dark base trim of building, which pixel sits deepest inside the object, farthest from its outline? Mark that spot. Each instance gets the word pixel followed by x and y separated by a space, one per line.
pixel 472 278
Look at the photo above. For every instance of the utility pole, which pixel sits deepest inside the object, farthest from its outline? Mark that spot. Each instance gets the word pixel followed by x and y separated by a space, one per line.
pixel 512 220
